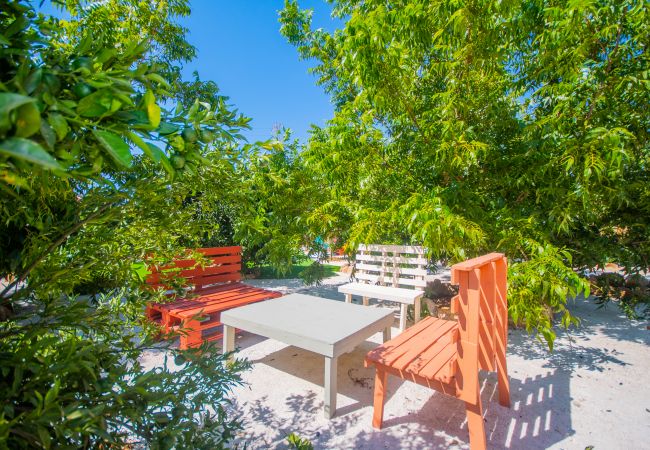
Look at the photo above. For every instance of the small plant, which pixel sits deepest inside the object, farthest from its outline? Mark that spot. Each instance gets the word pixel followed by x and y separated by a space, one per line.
pixel 631 294
pixel 299 443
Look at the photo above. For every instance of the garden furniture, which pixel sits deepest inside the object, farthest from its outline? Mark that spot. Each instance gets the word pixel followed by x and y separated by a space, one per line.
pixel 447 355
pixel 382 269
pixel 327 327
pixel 214 288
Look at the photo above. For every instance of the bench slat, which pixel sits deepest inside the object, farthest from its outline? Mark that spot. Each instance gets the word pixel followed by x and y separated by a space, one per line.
pixel 387 293
pixel 389 279
pixel 391 259
pixel 391 270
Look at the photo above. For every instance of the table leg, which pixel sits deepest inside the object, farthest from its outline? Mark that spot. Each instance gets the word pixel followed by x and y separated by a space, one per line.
pixel 330 387
pixel 228 339
pixel 386 334
pixel 366 301
pixel 402 317
pixel 418 310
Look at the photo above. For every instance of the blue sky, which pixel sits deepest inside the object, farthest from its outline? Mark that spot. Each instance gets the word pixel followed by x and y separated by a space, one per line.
pixel 241 49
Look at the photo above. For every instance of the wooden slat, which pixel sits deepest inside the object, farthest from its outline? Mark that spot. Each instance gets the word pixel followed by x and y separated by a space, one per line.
pixel 409 249
pixel 210 270
pixel 223 306
pixel 399 260
pixel 216 300
pixel 429 344
pixel 476 263
pixel 212 279
pixel 440 367
pixel 216 251
pixel 203 299
pixel 398 355
pixel 386 349
pixel 401 270
pixel 402 281
pixel 387 293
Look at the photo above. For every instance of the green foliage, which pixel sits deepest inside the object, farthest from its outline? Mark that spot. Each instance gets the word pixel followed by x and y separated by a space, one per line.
pixel 631 295
pixel 299 443
pixel 71 378
pixel 90 124
pixel 279 189
pixel 475 126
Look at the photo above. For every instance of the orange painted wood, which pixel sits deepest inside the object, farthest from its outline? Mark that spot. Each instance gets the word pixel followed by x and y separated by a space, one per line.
pixel 213 287
pixel 447 355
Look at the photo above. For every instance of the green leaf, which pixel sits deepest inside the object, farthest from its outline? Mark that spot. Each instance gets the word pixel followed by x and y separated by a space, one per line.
pixel 9 102
pixel 48 134
pixel 44 436
pixel 153 110
pixel 166 128
pixel 153 152
pixel 115 146
pixel 28 120
pixel 59 124
pixel 29 151
pixel 95 104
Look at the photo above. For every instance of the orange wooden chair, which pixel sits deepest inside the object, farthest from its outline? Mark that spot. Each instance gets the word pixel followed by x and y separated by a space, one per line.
pixel 447 355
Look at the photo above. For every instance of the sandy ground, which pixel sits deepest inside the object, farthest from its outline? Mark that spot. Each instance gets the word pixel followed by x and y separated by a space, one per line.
pixel 593 390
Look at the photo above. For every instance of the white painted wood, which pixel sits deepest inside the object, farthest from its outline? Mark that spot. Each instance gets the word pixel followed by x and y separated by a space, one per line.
pixel 408 249
pixel 387 293
pixel 390 269
pixel 348 298
pixel 323 326
pixel 228 339
pixel 380 268
pixel 402 317
pixel 379 278
pixel 330 386
pixel 400 260
pixel 313 323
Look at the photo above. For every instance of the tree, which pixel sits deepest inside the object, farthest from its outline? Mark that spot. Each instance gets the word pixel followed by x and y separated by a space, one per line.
pixel 479 126
pixel 103 163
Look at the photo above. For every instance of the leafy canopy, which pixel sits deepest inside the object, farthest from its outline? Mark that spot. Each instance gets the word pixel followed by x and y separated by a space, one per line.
pixel 105 160
pixel 475 126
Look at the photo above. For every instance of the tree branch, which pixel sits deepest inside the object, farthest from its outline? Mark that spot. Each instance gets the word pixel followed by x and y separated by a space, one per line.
pixel 76 227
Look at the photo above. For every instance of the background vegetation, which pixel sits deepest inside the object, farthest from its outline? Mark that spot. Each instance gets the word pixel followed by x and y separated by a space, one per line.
pixel 465 126
pixel 477 126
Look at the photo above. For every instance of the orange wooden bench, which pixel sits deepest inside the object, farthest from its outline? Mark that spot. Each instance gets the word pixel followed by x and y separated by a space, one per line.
pixel 447 355
pixel 214 288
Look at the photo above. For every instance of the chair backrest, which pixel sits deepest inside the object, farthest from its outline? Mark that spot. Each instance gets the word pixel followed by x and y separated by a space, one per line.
pixel 482 308
pixel 223 266
pixel 394 265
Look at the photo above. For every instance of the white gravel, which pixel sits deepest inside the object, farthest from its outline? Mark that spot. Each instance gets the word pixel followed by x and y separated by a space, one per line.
pixel 593 390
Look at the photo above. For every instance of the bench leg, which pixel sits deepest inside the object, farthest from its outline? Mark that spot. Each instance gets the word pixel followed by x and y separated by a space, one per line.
pixel 190 334
pixel 348 298
pixel 418 310
pixel 228 339
pixel 380 392
pixel 366 301
pixel 475 425
pixel 330 386
pixel 502 379
pixel 402 318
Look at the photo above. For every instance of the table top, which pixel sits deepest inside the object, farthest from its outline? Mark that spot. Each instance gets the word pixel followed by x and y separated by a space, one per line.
pixel 321 325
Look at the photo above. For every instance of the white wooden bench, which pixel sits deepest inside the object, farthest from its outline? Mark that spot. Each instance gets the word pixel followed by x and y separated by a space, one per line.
pixel 382 269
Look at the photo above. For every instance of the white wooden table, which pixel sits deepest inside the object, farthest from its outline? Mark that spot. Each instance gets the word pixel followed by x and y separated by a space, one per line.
pixel 327 327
